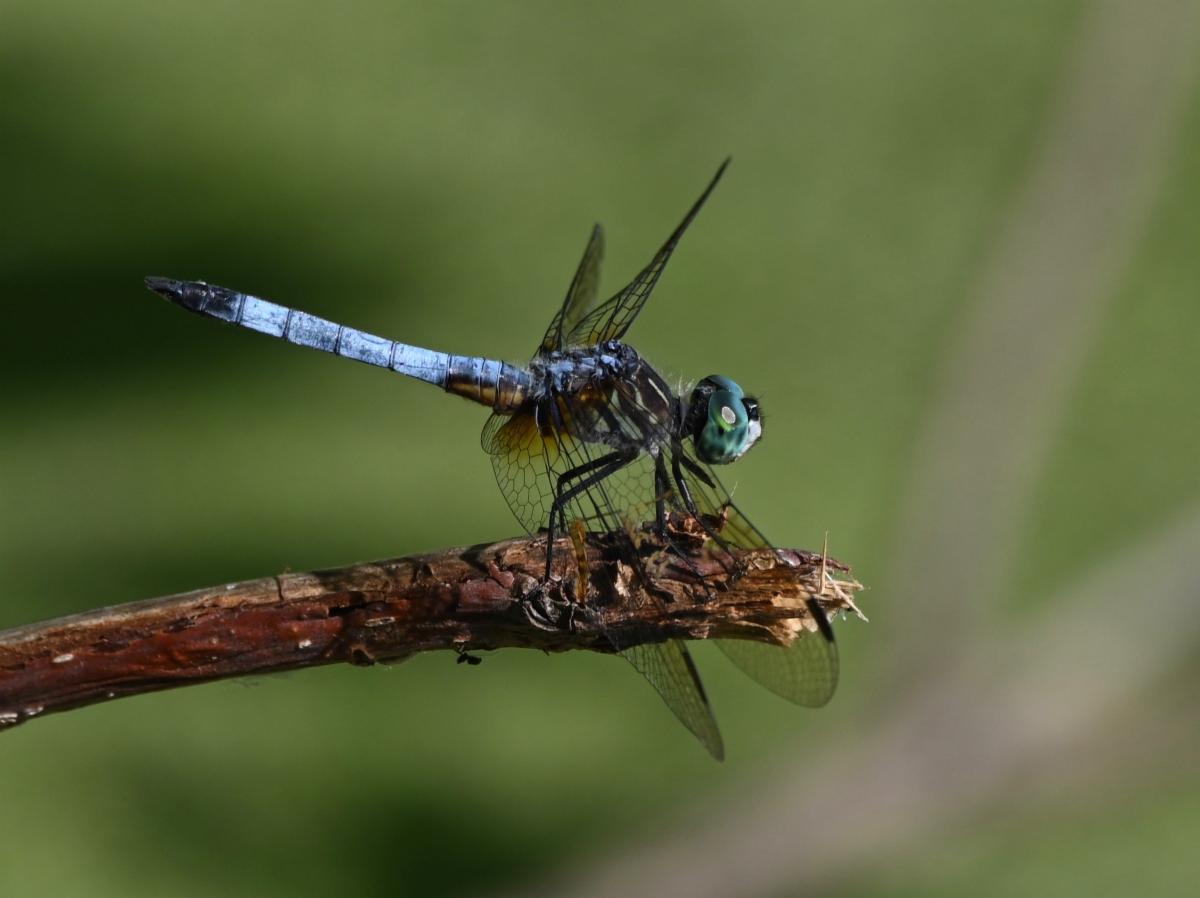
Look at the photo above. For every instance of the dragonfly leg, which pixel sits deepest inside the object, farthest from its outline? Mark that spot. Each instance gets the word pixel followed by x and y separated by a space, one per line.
pixel 661 486
pixel 695 469
pixel 690 504
pixel 586 476
pixel 541 610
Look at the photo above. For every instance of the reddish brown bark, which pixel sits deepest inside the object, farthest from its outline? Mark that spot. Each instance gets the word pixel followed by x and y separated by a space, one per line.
pixel 460 599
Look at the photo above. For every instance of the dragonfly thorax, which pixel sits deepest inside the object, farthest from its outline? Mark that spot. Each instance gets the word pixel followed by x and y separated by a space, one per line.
pixel 575 370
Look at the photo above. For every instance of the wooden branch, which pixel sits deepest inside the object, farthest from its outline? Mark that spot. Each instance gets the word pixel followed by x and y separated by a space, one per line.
pixel 482 597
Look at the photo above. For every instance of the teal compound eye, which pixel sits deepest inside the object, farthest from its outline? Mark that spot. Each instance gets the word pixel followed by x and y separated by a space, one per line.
pixel 732 424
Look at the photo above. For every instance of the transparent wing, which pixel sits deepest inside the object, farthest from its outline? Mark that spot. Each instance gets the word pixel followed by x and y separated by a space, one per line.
pixel 806 672
pixel 581 295
pixel 523 456
pixel 670 669
pixel 534 448
pixel 612 319
pixel 542 443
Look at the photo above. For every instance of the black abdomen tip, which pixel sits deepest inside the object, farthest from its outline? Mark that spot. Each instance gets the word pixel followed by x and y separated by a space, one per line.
pixel 165 287
pixel 189 294
pixel 196 296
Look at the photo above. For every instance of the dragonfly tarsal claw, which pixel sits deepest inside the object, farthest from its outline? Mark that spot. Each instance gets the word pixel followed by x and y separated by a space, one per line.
pixel 545 608
pixel 737 569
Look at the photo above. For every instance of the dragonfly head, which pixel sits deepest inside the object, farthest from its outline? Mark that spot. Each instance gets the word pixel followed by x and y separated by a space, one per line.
pixel 723 421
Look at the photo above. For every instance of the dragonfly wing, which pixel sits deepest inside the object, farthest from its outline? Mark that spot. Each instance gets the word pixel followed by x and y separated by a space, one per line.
pixel 670 669
pixel 611 320
pixel 806 672
pixel 535 448
pixel 523 456
pixel 581 295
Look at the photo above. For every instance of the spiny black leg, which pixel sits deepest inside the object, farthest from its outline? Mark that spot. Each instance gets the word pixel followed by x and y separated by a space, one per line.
pixel 684 491
pixel 555 505
pixel 689 503
pixel 687 563
pixel 661 485
pixel 610 419
pixel 613 461
pixel 700 473
pixel 546 616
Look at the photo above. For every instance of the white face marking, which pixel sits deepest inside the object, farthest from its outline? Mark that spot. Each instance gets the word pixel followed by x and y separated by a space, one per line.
pixel 728 415
pixel 753 432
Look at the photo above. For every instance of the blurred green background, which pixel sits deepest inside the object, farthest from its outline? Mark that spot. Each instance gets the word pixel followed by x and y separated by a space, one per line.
pixel 956 254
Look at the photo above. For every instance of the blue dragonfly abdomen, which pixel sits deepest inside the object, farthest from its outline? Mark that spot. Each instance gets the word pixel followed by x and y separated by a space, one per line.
pixel 498 385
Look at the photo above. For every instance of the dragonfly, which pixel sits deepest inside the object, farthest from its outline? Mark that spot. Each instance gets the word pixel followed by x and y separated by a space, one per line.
pixel 588 435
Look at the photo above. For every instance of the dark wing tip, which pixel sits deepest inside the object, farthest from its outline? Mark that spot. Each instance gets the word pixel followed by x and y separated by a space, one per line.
pixel 713 183
pixel 821 618
pixel 716 177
